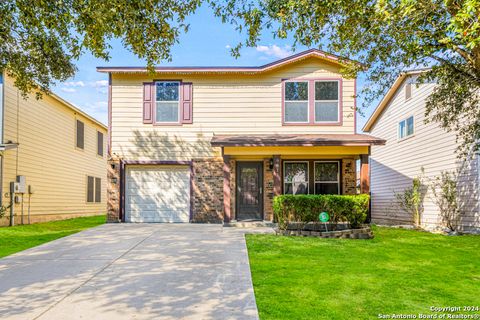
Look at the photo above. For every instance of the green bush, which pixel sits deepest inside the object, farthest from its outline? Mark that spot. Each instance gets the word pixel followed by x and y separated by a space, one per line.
pixel 306 208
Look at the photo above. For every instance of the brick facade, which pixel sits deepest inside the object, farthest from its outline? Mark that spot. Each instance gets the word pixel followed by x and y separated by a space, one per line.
pixel 267 190
pixel 113 190
pixel 207 190
pixel 233 189
pixel 349 183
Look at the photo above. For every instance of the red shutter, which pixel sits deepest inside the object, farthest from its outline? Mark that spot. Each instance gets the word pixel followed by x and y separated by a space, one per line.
pixel 148 101
pixel 187 102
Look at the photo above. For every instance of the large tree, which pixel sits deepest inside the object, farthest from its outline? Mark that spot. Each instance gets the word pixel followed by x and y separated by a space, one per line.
pixel 388 37
pixel 40 41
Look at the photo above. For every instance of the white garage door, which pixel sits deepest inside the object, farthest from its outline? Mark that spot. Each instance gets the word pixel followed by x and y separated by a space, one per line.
pixel 157 194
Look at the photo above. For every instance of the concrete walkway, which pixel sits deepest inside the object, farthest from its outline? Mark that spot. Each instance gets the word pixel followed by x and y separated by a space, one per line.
pixel 132 271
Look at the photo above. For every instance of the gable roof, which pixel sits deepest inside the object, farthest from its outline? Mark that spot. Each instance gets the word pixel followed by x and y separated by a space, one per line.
pixel 388 97
pixel 230 69
pixel 67 105
pixel 76 109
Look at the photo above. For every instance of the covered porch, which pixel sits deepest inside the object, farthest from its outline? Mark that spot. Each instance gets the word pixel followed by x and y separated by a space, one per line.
pixel 256 168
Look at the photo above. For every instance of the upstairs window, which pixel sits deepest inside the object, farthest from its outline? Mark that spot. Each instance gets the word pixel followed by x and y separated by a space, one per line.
pixel 312 102
pixel 167 108
pixel 80 134
pixel 296 102
pixel 327 101
pixel 406 128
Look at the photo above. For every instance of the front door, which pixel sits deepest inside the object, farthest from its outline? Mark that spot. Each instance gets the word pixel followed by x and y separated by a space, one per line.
pixel 249 190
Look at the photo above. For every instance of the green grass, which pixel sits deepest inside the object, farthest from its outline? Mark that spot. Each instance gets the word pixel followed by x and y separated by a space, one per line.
pixel 18 238
pixel 400 271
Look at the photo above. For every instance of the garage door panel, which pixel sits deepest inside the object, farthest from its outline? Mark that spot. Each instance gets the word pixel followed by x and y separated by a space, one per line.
pixel 157 194
pixel 135 206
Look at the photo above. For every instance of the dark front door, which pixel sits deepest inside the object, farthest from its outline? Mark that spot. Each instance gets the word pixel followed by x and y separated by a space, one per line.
pixel 249 190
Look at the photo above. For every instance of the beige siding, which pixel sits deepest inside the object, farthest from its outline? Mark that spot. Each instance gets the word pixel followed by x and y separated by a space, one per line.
pixel 234 104
pixel 57 171
pixel 394 165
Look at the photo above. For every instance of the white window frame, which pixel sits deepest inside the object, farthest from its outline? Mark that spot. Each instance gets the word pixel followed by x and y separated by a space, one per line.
pixel 308 174
pixel 285 102
pixel 332 182
pixel 399 135
pixel 315 101
pixel 169 101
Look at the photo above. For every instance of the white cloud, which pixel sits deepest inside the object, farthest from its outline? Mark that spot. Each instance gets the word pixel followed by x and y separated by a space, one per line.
pixel 99 83
pixel 227 46
pixel 69 90
pixel 74 84
pixel 97 105
pixel 275 51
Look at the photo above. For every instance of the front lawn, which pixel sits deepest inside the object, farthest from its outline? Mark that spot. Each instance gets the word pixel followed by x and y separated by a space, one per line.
pixel 398 272
pixel 21 237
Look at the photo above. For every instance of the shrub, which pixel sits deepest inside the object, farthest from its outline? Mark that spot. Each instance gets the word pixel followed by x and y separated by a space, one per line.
pixel 445 195
pixel 306 208
pixel 410 200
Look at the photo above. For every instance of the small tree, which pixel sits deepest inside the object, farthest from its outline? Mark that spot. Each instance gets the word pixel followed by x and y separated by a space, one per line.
pixel 444 188
pixel 411 200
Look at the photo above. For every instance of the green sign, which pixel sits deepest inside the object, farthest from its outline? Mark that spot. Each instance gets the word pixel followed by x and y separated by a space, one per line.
pixel 323 217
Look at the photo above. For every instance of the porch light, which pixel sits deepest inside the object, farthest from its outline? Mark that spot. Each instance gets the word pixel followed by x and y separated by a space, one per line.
pixel 270 163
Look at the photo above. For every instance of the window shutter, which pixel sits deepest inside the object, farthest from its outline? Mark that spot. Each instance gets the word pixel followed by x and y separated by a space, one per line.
pixel 408 91
pixel 100 143
pixel 98 190
pixel 187 102
pixel 90 187
pixel 148 101
pixel 80 134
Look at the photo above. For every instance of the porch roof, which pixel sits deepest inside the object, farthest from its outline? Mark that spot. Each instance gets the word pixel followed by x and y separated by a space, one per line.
pixel 303 140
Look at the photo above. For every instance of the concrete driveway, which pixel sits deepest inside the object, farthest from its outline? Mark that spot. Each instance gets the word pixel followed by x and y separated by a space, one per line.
pixel 132 271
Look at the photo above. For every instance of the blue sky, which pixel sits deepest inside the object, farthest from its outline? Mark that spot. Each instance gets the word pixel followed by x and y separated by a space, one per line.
pixel 206 43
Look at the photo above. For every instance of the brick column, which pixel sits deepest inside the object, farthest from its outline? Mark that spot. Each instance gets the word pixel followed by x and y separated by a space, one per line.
pixel 233 189
pixel 113 190
pixel 277 176
pixel 267 190
pixel 226 189
pixel 364 174
pixel 349 177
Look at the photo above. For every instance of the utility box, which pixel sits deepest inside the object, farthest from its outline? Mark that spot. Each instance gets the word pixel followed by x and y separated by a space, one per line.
pixel 31 190
pixel 22 184
pixel 14 187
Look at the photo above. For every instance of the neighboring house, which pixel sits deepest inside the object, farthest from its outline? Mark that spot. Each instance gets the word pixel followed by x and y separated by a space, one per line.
pixel 412 145
pixel 60 152
pixel 216 144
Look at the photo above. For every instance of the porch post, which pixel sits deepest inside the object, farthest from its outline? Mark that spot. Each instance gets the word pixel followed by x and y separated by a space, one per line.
pixel 226 189
pixel 277 176
pixel 364 174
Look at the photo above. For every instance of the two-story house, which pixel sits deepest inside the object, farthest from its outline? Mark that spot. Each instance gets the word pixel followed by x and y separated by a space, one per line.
pixel 216 144
pixel 416 149
pixel 54 153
